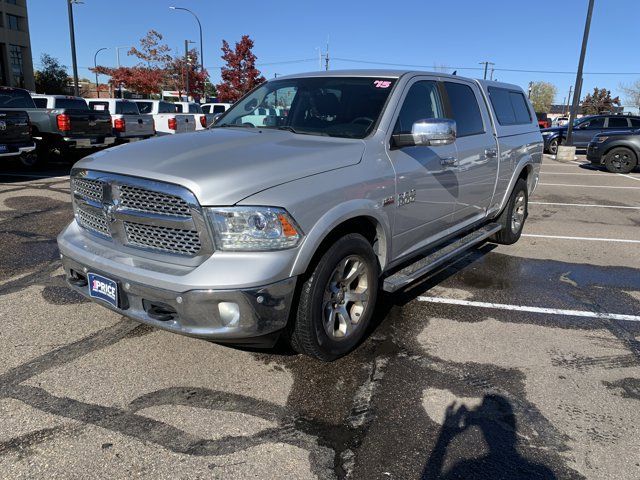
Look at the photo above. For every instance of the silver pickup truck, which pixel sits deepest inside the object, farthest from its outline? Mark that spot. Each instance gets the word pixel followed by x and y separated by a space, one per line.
pixel 364 180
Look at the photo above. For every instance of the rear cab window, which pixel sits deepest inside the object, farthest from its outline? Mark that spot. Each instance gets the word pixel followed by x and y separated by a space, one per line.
pixel 15 98
pixel 166 107
pixel 510 106
pixel 127 108
pixel 99 106
pixel 40 102
pixel 221 109
pixel 71 104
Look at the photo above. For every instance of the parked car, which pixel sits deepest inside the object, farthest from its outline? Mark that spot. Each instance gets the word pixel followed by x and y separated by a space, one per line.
pixel 543 120
pixel 560 122
pixel 586 128
pixel 203 120
pixel 619 152
pixel 15 131
pixel 129 125
pixel 215 108
pixel 370 180
pixel 167 121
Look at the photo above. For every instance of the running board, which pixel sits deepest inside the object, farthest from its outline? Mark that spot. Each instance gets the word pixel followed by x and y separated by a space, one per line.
pixel 426 264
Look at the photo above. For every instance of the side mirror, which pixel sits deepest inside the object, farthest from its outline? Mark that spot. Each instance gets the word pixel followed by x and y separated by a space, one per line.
pixel 216 117
pixel 430 132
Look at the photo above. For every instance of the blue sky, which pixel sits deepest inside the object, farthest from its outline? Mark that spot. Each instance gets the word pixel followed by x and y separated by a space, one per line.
pixel 514 34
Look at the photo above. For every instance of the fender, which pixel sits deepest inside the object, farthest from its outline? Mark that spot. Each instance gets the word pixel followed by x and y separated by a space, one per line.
pixel 334 217
pixel 532 180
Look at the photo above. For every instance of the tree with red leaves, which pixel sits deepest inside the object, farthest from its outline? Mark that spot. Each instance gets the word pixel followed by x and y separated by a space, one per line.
pixel 240 74
pixel 177 69
pixel 137 79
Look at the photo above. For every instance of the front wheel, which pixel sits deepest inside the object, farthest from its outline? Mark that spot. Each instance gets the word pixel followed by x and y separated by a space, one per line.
pixel 620 160
pixel 553 146
pixel 514 215
pixel 337 300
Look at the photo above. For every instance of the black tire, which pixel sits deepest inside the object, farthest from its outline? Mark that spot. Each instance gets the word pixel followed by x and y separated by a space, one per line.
pixel 308 334
pixel 30 160
pixel 553 145
pixel 512 230
pixel 620 160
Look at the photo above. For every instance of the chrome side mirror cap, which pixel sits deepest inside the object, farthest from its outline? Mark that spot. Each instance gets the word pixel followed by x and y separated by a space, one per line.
pixel 216 117
pixel 429 132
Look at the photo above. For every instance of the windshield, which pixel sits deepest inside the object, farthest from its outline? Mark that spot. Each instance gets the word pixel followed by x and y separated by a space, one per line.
pixel 331 106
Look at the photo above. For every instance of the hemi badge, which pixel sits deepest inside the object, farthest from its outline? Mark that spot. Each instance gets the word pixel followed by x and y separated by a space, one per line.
pixel 388 201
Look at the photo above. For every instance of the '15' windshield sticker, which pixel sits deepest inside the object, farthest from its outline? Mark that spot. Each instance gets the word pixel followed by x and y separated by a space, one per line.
pixel 382 83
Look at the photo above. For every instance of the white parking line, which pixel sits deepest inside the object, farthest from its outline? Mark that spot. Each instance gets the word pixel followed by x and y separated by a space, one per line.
pixel 602 174
pixel 628 175
pixel 590 239
pixel 585 186
pixel 583 205
pixel 525 308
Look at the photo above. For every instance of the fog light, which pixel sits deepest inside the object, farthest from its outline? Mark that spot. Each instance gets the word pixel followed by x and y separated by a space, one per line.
pixel 229 313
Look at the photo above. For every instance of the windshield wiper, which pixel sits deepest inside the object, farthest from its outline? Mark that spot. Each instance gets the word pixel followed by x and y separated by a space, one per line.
pixel 227 125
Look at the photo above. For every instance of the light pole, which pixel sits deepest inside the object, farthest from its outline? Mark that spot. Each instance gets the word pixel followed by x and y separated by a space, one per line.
pixel 72 37
pixel 199 26
pixel 118 64
pixel 95 66
pixel 186 66
pixel 578 87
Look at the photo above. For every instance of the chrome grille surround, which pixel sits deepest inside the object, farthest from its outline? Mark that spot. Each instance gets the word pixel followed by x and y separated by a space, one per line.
pixel 155 219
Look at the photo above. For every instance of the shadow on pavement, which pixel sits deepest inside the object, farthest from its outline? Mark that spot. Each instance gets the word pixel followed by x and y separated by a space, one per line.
pixel 495 421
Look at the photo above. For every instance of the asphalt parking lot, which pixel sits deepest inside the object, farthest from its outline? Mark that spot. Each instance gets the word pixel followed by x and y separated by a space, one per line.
pixel 514 362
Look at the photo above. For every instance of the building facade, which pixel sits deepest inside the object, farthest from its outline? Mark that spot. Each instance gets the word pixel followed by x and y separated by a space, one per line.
pixel 16 65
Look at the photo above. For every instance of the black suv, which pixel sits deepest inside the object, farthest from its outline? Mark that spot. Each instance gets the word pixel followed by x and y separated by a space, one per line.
pixel 617 151
pixel 586 128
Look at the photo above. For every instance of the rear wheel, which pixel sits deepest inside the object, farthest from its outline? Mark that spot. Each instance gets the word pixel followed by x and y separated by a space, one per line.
pixel 620 160
pixel 30 160
pixel 514 215
pixel 337 300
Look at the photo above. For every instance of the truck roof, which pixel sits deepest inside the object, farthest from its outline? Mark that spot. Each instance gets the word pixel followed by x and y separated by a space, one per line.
pixel 393 73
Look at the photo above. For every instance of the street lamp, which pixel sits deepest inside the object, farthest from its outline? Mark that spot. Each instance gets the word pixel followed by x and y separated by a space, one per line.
pixel 95 66
pixel 199 26
pixel 72 38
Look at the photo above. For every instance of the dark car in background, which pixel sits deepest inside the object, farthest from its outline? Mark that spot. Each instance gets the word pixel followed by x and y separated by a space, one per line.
pixel 15 134
pixel 586 128
pixel 617 151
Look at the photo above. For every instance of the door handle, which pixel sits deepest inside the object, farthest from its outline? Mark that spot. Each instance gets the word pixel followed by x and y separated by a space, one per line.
pixel 491 152
pixel 449 161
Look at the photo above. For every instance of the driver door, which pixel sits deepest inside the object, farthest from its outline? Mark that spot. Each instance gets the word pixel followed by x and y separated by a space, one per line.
pixel 426 182
pixel 589 129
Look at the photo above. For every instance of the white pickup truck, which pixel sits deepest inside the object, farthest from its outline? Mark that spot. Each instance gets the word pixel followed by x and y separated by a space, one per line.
pixel 203 120
pixel 167 121
pixel 129 125
pixel 215 108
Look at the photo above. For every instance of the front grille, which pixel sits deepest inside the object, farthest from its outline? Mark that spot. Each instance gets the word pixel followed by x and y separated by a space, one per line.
pixel 89 189
pixel 144 200
pixel 135 213
pixel 172 240
pixel 93 221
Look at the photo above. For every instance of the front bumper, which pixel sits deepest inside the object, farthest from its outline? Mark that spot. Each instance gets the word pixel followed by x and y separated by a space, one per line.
pixel 97 142
pixel 263 310
pixel 594 153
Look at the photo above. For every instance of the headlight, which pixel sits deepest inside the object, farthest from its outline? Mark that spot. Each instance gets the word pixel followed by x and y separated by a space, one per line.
pixel 601 139
pixel 253 228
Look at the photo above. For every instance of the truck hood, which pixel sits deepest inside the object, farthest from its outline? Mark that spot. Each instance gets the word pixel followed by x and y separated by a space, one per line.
pixel 222 166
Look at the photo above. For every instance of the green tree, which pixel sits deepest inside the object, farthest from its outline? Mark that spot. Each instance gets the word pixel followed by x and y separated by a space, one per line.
pixel 542 96
pixel 600 101
pixel 52 77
